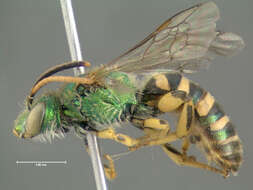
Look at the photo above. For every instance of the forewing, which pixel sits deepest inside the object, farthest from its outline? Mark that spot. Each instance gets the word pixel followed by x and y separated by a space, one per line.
pixel 184 43
pixel 181 40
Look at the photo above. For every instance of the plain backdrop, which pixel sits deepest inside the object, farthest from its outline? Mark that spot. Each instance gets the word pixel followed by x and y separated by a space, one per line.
pixel 32 39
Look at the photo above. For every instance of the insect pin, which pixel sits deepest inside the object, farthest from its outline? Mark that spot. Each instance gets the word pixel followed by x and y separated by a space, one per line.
pixel 138 86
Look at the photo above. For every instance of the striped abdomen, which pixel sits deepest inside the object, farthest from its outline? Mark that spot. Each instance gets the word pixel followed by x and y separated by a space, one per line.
pixel 213 128
pixel 218 136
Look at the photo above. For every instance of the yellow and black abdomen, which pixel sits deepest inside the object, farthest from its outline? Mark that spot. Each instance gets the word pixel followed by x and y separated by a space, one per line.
pixel 218 136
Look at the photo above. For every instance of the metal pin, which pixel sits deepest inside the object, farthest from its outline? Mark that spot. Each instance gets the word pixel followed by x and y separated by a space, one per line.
pixel 76 55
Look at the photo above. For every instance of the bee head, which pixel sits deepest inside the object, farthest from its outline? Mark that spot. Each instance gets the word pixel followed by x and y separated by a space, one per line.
pixel 43 116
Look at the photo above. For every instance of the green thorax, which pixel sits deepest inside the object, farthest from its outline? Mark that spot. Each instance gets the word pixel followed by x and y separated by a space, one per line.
pixel 97 104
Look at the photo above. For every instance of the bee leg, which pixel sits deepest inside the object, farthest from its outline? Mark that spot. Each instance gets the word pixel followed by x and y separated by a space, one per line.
pixel 185 146
pixel 152 126
pixel 118 137
pixel 109 168
pixel 134 144
pixel 170 101
pixel 185 122
pixel 159 125
pixel 190 161
pixel 179 100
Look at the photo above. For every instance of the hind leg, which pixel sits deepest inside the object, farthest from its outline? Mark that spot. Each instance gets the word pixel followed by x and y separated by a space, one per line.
pixel 185 122
pixel 167 93
pixel 183 160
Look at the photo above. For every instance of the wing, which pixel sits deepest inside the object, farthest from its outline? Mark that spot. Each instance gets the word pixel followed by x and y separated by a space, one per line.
pixel 182 43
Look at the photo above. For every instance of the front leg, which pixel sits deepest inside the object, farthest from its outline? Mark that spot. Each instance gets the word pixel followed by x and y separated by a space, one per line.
pixel 109 168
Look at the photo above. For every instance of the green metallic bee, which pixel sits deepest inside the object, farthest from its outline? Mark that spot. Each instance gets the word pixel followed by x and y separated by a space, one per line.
pixel 140 85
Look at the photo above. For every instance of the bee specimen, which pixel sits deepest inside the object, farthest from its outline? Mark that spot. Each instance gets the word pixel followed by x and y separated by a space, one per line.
pixel 137 87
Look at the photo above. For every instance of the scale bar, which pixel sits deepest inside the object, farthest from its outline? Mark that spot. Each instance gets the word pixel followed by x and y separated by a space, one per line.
pixel 41 162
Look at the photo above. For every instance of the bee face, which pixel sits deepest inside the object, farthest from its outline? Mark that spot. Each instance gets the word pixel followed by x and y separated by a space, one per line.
pixel 42 118
pixel 29 123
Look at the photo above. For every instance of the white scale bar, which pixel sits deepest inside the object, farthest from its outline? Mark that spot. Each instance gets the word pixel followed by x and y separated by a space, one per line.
pixel 41 162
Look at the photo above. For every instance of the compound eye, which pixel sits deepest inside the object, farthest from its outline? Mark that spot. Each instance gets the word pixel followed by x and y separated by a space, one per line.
pixel 34 121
